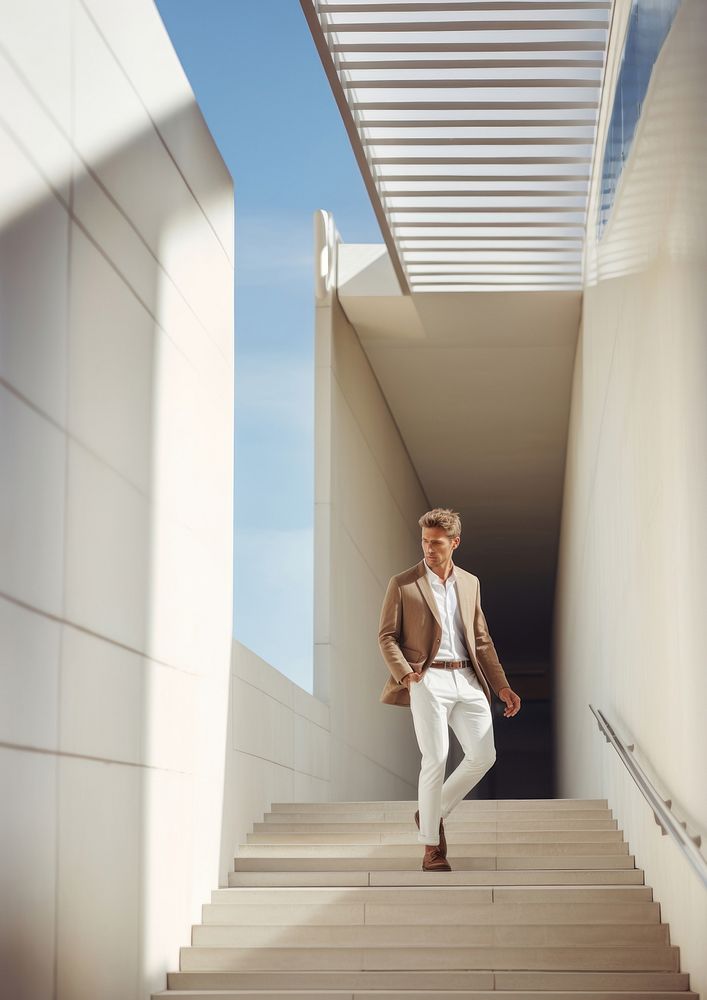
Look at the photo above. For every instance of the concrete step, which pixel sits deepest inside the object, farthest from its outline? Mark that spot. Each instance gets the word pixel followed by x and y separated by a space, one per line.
pixel 659 958
pixel 429 935
pixel 421 994
pixel 435 895
pixel 487 849
pixel 611 980
pixel 305 822
pixel 414 876
pixel 329 900
pixel 454 835
pixel 466 805
pixel 442 913
pixel 369 860
pixel 509 985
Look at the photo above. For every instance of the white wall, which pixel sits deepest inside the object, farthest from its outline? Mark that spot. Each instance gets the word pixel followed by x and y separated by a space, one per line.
pixel 116 451
pixel 367 503
pixel 278 748
pixel 631 631
pixel 340 743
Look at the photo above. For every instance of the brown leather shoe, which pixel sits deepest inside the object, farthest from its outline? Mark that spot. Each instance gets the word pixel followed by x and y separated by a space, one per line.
pixel 442 839
pixel 434 860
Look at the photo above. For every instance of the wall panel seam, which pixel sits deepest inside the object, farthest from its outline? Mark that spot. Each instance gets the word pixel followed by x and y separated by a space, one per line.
pixel 158 132
pixel 284 703
pixel 72 436
pixel 349 406
pixel 73 755
pixel 383 396
pixel 63 620
pixel 116 205
pixel 126 281
pixel 68 206
pixel 377 763
pixel 21 145
pixel 375 459
pixel 278 763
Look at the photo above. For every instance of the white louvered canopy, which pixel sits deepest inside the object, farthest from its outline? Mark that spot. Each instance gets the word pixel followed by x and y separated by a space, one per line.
pixel 474 126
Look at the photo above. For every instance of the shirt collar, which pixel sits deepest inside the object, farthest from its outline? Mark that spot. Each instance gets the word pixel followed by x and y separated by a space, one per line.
pixel 433 578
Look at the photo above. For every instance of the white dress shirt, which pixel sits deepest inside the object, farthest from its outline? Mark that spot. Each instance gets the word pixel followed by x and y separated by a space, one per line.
pixel 453 645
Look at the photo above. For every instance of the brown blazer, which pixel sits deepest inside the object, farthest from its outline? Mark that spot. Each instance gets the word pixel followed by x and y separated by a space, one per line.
pixel 410 632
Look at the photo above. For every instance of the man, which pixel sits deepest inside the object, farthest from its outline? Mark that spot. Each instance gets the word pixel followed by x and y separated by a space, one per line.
pixel 435 641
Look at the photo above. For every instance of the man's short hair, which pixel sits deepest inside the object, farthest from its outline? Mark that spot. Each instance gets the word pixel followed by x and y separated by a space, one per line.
pixel 442 517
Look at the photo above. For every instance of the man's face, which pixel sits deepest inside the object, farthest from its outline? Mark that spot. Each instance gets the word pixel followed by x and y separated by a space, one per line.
pixel 437 546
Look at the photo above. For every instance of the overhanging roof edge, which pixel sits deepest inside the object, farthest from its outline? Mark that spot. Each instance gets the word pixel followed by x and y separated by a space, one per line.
pixel 311 16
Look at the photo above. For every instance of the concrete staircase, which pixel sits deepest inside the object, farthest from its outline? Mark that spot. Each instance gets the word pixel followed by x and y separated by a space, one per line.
pixel 329 900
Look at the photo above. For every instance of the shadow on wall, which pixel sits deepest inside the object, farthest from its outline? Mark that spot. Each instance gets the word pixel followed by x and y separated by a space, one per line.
pixel 116 391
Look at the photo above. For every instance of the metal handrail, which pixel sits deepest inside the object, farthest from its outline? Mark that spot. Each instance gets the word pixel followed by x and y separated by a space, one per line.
pixel 662 808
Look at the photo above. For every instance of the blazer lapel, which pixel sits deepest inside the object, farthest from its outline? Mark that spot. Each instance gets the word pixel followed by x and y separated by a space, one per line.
pixel 424 585
pixel 466 608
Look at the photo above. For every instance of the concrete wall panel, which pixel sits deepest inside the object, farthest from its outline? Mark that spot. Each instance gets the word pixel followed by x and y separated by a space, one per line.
pixel 630 625
pixel 116 455
pixel 368 500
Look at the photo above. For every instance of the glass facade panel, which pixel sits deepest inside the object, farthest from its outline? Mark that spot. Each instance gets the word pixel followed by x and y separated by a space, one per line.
pixel 649 24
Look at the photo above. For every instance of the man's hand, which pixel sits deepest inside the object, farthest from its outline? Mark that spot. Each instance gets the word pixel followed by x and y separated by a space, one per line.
pixel 512 701
pixel 411 678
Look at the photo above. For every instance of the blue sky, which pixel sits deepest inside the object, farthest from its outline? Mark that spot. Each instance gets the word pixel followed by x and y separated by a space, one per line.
pixel 263 92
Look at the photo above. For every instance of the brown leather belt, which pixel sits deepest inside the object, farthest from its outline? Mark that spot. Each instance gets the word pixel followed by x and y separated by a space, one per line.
pixel 450 664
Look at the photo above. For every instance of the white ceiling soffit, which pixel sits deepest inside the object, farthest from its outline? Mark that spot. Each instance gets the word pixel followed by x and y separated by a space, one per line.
pixel 474 125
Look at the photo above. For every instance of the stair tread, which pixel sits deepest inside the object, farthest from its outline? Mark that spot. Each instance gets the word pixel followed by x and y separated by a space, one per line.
pixel 425 994
pixel 544 902
pixel 363 876
pixel 476 980
pixel 489 913
pixel 424 894
pixel 465 804
pixel 640 958
pixel 369 860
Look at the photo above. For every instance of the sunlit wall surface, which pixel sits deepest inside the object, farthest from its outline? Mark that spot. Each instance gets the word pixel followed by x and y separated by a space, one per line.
pixel 632 577
pixel 116 473
pixel 649 23
pixel 368 500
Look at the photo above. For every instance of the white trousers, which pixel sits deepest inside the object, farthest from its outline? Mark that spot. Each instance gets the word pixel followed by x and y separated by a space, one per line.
pixel 440 699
